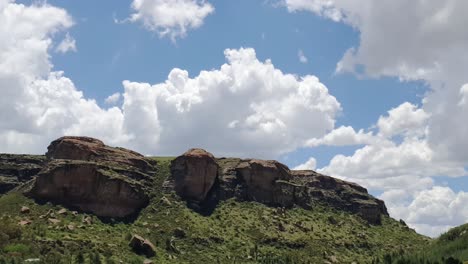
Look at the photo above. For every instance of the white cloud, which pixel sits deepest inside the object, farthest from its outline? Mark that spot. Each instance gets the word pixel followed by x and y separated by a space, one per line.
pixel 171 18
pixel 310 164
pixel 67 44
pixel 417 40
pixel 113 98
pixel 247 107
pixel 405 119
pixel 302 57
pixel 427 42
pixel 343 136
pixel 38 104
pixel 320 7
pixel 433 211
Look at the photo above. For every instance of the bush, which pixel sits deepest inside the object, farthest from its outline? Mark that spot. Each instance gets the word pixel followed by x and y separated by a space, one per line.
pixel 16 248
pixel 10 229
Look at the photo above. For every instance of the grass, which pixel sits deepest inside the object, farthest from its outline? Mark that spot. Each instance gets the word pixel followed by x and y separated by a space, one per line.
pixel 450 248
pixel 236 232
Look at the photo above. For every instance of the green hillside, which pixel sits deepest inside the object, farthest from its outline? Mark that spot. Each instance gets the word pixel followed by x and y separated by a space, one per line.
pixel 449 248
pixel 236 232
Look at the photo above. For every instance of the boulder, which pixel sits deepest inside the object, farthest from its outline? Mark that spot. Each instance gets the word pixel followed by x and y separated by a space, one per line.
pixel 142 246
pixel 86 174
pixel 193 174
pixel 25 210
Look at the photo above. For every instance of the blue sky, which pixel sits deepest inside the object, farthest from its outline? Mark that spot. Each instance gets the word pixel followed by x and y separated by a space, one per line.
pixel 110 52
pixel 386 110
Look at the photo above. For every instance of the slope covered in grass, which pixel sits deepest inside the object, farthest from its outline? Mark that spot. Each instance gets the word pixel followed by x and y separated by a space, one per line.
pixel 449 248
pixel 236 232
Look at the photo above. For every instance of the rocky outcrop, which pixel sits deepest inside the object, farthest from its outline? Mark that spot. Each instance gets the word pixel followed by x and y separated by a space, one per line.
pixel 18 169
pixel 260 178
pixel 193 174
pixel 142 246
pixel 84 173
pixel 91 149
pixel 272 183
pixel 314 187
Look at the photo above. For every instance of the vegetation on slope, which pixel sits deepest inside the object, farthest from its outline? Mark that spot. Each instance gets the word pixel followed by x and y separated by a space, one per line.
pixel 449 248
pixel 236 232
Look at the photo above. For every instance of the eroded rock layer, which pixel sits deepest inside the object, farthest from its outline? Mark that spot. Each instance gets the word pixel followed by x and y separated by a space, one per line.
pixel 194 173
pixel 18 169
pixel 272 183
pixel 84 173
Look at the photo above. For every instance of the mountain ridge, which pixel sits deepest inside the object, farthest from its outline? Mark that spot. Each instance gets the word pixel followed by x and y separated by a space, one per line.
pixel 194 208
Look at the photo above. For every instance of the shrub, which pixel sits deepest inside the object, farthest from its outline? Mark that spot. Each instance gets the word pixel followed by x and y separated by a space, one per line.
pixel 16 248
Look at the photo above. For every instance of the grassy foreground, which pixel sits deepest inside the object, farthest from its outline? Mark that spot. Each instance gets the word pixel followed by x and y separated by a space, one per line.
pixel 236 232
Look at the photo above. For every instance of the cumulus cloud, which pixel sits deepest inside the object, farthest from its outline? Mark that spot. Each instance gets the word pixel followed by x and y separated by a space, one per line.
pixel 247 107
pixel 433 211
pixel 427 42
pixel 403 171
pixel 405 119
pixel 38 104
pixel 343 136
pixel 67 44
pixel 172 18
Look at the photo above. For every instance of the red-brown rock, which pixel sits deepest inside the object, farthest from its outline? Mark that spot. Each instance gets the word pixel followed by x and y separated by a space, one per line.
pixel 194 173
pixel 90 187
pixel 91 149
pixel 260 177
pixel 84 173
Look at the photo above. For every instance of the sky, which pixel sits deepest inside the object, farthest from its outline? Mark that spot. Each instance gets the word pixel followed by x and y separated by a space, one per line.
pixel 373 92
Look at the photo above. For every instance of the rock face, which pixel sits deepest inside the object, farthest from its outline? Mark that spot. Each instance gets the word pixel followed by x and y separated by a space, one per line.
pixel 313 187
pixel 193 174
pixel 260 178
pixel 271 183
pixel 84 173
pixel 18 169
pixel 91 149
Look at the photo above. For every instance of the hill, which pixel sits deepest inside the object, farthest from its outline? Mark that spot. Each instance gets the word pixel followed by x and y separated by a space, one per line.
pixel 450 248
pixel 90 203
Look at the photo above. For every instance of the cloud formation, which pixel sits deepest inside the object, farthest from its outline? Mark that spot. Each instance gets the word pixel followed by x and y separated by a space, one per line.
pixel 246 107
pixel 171 18
pixel 426 43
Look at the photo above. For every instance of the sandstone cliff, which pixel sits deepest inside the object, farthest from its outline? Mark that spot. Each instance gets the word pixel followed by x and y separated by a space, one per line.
pixel 271 183
pixel 84 173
